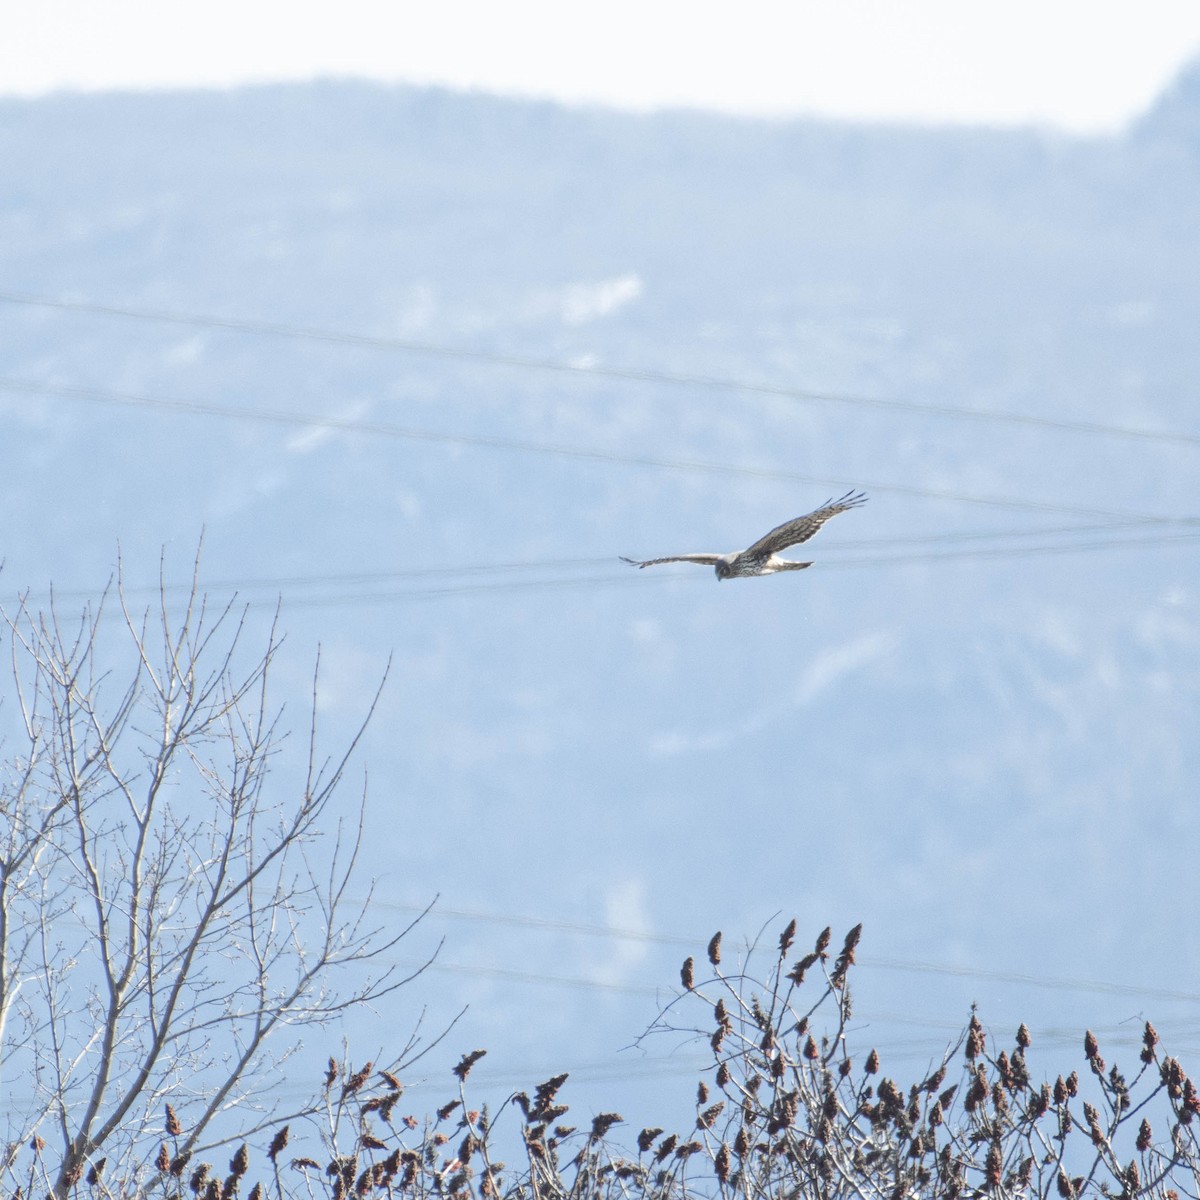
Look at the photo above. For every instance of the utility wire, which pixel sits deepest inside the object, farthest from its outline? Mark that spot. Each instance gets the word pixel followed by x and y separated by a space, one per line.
pixel 629 374
pixel 383 429
pixel 625 578
pixel 618 933
pixel 279 583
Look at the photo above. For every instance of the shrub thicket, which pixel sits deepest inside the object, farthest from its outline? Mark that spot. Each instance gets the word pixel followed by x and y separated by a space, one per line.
pixel 785 1112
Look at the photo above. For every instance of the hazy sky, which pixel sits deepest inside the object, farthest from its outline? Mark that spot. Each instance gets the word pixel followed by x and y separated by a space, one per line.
pixel 1083 64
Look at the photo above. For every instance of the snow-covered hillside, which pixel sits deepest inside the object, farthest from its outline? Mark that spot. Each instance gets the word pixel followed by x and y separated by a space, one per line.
pixel 477 349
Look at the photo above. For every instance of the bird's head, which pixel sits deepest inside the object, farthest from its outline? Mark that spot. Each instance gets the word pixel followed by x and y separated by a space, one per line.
pixel 724 570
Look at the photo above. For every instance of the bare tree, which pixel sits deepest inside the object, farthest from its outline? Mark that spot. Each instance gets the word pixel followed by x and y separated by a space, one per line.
pixel 171 913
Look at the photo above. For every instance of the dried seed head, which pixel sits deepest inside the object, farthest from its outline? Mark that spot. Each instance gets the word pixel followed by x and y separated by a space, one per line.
pixel 1173 1076
pixel 975 1038
pixel 1023 1038
pixel 240 1163
pixel 872 1064
pixel 687 973
pixel 709 1115
pixel 604 1122
pixel 646 1138
pixel 721 1162
pixel 714 949
pixel 95 1171
pixel 173 1126
pixel 356 1081
pixel 467 1062
pixel 994 1169
pixel 823 940
pixel 331 1072
pixel 845 959
pixel 741 1144
pixel 723 1075
pixel 277 1143
pixel 1004 1068
pixel 786 938
pixel 1020 1073
pixel 447 1109
pixel 665 1147
pixel 1060 1091
pixel 796 975
pixel 1145 1137
pixel 978 1091
pixel 935 1081
pixel 1090 1046
pixel 546 1092
pixel 811 1051
pixel 163 1161
pixel 702 1092
pixel 1073 1084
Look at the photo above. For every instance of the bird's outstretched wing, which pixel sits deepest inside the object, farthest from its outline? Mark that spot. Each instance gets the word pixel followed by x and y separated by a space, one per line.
pixel 800 529
pixel 705 560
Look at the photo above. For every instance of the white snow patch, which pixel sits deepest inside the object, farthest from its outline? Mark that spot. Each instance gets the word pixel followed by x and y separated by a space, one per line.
pixel 583 302
pixel 624 911
pixel 833 665
pixel 308 440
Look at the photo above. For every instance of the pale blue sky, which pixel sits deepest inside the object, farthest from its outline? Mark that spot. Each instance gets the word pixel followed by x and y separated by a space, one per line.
pixel 1081 64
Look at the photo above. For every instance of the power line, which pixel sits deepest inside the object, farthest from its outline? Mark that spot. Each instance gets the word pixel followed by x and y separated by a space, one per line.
pixel 384 429
pixel 280 583
pixel 627 579
pixel 624 578
pixel 618 933
pixel 628 374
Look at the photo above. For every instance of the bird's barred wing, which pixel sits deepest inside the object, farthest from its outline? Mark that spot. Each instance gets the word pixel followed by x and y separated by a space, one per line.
pixel 705 560
pixel 800 529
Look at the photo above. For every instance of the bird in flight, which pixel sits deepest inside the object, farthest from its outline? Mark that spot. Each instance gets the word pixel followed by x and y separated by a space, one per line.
pixel 762 558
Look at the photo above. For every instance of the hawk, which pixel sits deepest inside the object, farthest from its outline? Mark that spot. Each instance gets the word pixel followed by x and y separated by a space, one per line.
pixel 762 558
